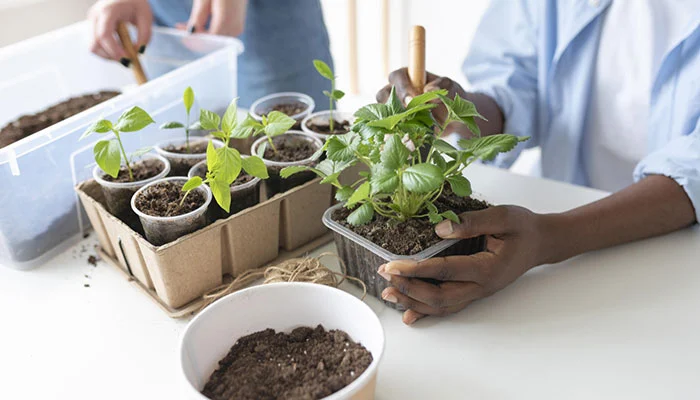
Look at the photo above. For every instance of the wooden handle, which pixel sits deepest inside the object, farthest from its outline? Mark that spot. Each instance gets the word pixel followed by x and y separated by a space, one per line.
pixel 385 37
pixel 352 46
pixel 131 51
pixel 416 55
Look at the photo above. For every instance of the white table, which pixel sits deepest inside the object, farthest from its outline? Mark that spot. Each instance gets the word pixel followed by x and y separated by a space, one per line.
pixel 620 323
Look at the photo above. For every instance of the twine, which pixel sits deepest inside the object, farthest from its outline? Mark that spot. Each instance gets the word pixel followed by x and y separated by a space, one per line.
pixel 306 269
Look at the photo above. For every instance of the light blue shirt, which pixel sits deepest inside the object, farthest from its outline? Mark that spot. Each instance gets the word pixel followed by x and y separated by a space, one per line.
pixel 535 58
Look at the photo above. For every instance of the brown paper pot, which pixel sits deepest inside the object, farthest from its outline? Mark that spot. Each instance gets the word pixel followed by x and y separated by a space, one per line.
pixel 362 258
pixel 302 213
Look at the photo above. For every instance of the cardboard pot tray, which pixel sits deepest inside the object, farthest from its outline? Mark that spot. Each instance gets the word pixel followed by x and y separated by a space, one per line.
pixel 176 275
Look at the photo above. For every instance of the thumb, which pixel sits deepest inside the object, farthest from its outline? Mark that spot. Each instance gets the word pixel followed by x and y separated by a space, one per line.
pixel 201 10
pixel 491 221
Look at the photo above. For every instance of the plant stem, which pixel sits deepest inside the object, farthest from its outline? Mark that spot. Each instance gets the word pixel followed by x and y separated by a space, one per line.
pixel 330 106
pixel 187 135
pixel 269 140
pixel 184 197
pixel 126 159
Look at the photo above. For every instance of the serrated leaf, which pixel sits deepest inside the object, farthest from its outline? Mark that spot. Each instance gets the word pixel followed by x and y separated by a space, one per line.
pixel 488 147
pixel 373 112
pixel 132 120
pixel 439 161
pixel 222 193
pixel 172 125
pixel 228 123
pixel 278 123
pixel 460 185
pixel 344 193
pixel 219 135
pixel 361 193
pixel 192 183
pixel 422 178
pixel 324 70
pixel 188 99
pixel 391 121
pixel 444 147
pixel 228 164
pixel 286 172
pixel 395 153
pixel 426 97
pixel 337 94
pixel 362 215
pixel 101 126
pixel 383 180
pixel 449 214
pixel 108 157
pixel 255 166
pixel 209 120
pixel 435 218
pixel 394 103
pixel 340 147
pixel 431 208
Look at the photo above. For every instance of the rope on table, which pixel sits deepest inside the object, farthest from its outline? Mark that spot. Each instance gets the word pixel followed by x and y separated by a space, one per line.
pixel 306 269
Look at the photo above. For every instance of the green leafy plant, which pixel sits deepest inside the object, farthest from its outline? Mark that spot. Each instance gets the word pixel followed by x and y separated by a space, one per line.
pixel 188 101
pixel 109 153
pixel 409 165
pixel 225 163
pixel 273 124
pixel 334 95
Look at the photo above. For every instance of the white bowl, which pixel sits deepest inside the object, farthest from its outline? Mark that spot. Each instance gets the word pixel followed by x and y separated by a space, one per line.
pixel 282 307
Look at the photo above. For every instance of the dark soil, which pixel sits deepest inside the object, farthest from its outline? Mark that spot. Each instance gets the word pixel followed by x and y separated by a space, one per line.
pixel 142 170
pixel 412 236
pixel 195 148
pixel 27 125
pixel 163 200
pixel 339 127
pixel 92 260
pixel 305 364
pixel 291 108
pixel 290 148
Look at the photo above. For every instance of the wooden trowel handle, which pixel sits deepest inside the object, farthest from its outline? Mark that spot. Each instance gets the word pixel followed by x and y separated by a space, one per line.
pixel 416 54
pixel 131 51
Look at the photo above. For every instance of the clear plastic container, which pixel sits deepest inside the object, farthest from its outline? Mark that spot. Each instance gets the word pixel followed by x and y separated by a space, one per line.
pixel 181 163
pixel 276 184
pixel 243 196
pixel 162 230
pixel 362 257
pixel 40 213
pixel 322 117
pixel 265 104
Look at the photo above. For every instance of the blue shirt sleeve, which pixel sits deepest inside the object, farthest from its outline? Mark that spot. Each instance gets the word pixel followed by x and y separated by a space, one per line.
pixel 502 63
pixel 680 161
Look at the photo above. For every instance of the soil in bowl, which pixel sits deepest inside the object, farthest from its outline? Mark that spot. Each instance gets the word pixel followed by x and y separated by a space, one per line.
pixel 164 199
pixel 290 148
pixel 307 363
pixel 290 108
pixel 179 166
pixel 27 125
pixel 324 128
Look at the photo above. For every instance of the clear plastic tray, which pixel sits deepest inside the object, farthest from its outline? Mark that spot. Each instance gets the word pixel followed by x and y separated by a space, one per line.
pixel 39 212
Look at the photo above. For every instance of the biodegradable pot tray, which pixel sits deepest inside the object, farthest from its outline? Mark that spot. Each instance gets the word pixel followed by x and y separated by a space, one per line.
pixel 362 258
pixel 181 271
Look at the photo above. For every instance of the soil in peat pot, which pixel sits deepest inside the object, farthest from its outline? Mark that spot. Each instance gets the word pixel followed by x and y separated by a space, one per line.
pixel 164 200
pixel 27 125
pixel 195 148
pixel 142 170
pixel 412 236
pixel 290 108
pixel 305 364
pixel 339 127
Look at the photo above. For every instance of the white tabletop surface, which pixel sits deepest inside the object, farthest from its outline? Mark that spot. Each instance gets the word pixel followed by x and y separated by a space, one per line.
pixel 617 324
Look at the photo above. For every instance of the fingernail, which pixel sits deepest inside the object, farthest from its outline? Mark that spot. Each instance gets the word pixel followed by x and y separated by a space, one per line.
pixel 390 298
pixel 444 228
pixel 142 49
pixel 191 29
pixel 381 271
pixel 407 99
pixel 125 62
pixel 411 319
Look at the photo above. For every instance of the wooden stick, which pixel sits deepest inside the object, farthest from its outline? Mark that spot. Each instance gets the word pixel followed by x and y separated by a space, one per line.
pixel 416 56
pixel 131 51
pixel 352 44
pixel 385 37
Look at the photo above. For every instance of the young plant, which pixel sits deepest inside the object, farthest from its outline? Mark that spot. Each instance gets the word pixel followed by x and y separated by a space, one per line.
pixel 109 153
pixel 334 95
pixel 409 165
pixel 273 124
pixel 188 101
pixel 225 164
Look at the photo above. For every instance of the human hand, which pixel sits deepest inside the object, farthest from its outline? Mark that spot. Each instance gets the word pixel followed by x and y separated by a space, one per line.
pixel 106 14
pixel 227 17
pixel 405 91
pixel 515 238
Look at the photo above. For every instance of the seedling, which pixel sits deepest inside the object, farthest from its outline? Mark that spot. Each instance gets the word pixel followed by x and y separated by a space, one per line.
pixel 334 95
pixel 273 124
pixel 401 184
pixel 224 164
pixel 109 153
pixel 188 101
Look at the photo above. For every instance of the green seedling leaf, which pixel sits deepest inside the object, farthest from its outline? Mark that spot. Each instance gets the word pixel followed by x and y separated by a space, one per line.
pixel 212 157
pixel 172 125
pixel 444 147
pixel 133 120
pixel 422 178
pixel 101 126
pixel 255 166
pixel 362 215
pixel 337 94
pixel 286 172
pixel 228 123
pixel 361 193
pixel 395 153
pixel 426 97
pixel 449 214
pixel 241 132
pixel 209 120
pixel 391 121
pixel 324 70
pixel 435 218
pixel 383 180
pixel 108 157
pixel 219 135
pixel 460 185
pixel 344 193
pixel 340 147
pixel 394 102
pixel 193 183
pixel 439 161
pixel 463 111
pixel 228 165
pixel 188 99
pixel 488 147
pixel 278 123
pixel 222 193
pixel 373 112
